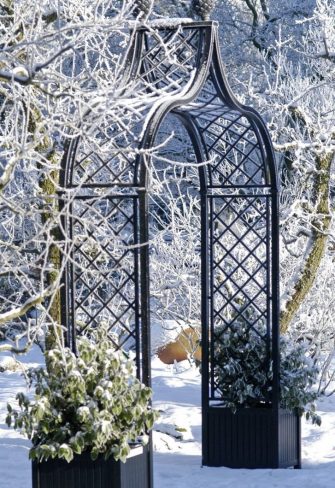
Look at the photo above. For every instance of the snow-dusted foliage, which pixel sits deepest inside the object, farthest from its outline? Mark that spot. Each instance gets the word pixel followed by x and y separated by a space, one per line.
pixel 91 402
pixel 244 376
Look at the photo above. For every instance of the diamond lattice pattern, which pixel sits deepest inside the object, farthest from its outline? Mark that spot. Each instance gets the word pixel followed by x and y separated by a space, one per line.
pixel 107 154
pixel 104 269
pixel 169 59
pixel 240 254
pixel 109 141
pixel 234 150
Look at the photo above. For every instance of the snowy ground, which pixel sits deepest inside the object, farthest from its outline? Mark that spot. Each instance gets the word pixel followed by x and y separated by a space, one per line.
pixel 177 462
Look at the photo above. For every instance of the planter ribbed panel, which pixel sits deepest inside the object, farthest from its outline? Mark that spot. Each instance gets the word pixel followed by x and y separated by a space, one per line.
pixel 82 472
pixel 247 438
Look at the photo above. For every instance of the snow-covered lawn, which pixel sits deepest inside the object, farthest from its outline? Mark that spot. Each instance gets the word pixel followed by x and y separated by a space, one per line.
pixel 177 461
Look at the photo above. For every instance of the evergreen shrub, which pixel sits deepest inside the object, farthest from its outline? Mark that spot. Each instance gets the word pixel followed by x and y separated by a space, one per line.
pixel 243 372
pixel 86 402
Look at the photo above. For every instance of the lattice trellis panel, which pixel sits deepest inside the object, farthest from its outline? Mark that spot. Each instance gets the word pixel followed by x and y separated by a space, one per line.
pixel 231 142
pixel 240 274
pixel 107 152
pixel 104 268
pixel 169 59
pixel 106 156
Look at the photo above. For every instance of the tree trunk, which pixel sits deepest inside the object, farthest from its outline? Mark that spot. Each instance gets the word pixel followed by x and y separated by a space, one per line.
pixel 48 185
pixel 320 228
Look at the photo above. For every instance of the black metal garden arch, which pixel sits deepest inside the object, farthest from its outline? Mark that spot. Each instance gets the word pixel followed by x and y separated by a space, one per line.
pixel 105 178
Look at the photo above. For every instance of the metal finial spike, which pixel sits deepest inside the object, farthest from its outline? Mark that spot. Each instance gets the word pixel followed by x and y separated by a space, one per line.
pixel 142 8
pixel 203 8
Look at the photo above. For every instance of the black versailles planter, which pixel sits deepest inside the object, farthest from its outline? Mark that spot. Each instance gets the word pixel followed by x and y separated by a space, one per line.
pixel 82 472
pixel 253 438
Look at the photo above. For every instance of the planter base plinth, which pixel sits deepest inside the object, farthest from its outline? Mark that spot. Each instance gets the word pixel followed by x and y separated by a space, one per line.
pixel 82 472
pixel 252 438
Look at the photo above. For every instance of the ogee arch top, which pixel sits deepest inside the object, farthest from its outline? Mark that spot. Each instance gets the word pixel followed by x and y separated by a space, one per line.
pixel 172 67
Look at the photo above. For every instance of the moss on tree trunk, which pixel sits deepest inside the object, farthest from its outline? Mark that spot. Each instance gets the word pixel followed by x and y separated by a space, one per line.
pixel 320 228
pixel 48 184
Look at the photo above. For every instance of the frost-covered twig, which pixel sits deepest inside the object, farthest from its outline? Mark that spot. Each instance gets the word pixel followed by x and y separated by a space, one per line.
pixel 23 309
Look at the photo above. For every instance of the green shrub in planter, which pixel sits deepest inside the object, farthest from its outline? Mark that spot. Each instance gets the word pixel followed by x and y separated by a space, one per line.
pixel 244 376
pixel 91 402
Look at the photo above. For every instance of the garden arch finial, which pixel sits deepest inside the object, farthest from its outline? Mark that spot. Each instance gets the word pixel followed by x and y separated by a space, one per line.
pixel 203 8
pixel 143 8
